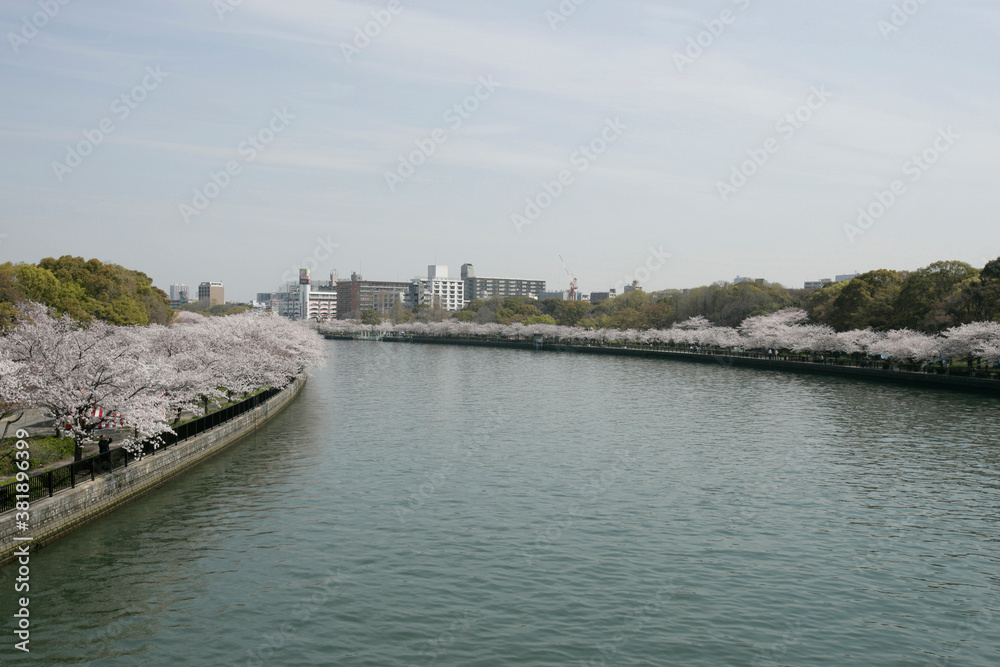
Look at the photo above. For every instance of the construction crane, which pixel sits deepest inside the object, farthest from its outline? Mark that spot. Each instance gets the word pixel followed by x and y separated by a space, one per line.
pixel 572 281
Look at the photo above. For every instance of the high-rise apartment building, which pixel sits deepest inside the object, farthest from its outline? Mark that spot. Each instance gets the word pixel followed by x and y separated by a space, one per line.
pixel 484 288
pixel 437 289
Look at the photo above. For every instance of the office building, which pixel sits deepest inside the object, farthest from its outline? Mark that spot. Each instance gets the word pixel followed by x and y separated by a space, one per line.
pixel 213 293
pixel 597 297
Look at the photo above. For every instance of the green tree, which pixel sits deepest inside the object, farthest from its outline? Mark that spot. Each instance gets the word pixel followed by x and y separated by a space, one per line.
pixel 659 315
pixel 85 289
pixel 398 313
pixel 571 313
pixel 866 301
pixel 627 318
pixel 979 299
pixel 924 295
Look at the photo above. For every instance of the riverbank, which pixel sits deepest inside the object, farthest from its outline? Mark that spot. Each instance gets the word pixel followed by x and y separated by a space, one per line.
pixel 884 372
pixel 51 517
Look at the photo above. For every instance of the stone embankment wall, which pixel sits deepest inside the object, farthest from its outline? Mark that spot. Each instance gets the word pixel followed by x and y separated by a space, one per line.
pixel 66 510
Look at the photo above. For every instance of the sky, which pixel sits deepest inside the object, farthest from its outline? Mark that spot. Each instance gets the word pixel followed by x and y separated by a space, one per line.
pixel 678 142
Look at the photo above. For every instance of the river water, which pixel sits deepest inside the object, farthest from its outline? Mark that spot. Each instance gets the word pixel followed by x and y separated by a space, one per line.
pixel 434 505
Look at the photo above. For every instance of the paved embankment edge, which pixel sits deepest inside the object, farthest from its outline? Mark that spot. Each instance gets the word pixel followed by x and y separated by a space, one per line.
pixel 929 380
pixel 53 517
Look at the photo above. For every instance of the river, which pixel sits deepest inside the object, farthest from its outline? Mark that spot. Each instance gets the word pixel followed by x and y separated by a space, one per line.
pixel 435 505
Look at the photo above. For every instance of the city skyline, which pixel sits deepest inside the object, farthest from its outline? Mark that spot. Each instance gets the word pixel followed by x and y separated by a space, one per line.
pixel 233 140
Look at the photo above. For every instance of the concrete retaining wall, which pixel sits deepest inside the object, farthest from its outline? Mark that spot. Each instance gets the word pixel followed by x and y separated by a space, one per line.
pixel 64 511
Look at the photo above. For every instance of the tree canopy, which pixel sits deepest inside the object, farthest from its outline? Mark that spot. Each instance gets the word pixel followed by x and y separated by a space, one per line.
pixel 936 297
pixel 83 289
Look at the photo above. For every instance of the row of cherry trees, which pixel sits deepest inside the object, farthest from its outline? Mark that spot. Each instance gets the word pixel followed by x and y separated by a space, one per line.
pixel 785 330
pixel 146 377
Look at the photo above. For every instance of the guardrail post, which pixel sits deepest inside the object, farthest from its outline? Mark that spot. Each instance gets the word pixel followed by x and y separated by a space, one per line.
pixel 50 484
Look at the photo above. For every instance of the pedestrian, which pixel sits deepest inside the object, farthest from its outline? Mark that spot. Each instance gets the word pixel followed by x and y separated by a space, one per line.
pixel 104 451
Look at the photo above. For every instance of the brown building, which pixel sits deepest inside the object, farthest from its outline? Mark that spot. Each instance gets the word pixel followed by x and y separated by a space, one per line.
pixel 356 295
pixel 212 293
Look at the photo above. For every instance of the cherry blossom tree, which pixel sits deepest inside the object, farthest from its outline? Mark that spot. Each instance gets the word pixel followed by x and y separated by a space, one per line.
pixel 857 341
pixel 192 363
pixel 80 374
pixel 261 350
pixel 774 331
pixel 12 380
pixel 907 345
pixel 13 396
pixel 977 340
pixel 785 329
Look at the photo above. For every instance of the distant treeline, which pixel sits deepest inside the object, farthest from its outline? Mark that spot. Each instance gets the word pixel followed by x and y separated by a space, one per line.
pixel 931 299
pixel 83 289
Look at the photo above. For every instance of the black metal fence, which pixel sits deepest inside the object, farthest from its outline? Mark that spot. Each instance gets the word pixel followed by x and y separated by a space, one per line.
pixel 45 484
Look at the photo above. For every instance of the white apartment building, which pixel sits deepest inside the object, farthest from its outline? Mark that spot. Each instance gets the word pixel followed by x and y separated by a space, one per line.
pixel 302 302
pixel 437 287
pixel 177 290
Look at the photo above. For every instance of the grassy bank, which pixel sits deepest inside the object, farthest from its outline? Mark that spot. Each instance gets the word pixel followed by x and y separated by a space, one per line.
pixel 44 451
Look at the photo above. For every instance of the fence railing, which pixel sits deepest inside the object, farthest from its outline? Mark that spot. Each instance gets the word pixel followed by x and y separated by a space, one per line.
pixel 45 484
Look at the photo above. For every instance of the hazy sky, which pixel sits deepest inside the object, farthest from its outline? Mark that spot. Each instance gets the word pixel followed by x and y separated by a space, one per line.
pixel 309 115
